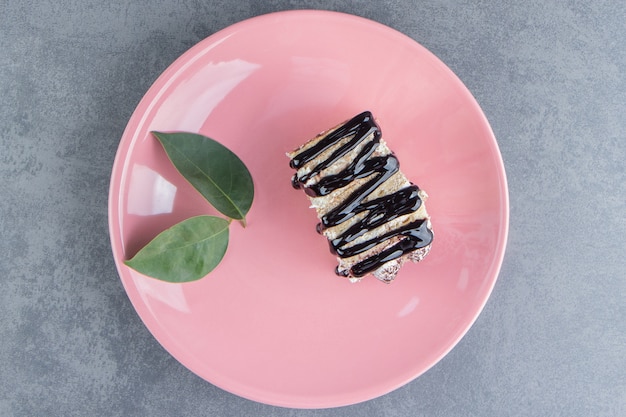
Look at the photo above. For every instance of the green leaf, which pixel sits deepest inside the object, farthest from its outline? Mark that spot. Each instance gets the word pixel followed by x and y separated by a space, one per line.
pixel 216 172
pixel 185 252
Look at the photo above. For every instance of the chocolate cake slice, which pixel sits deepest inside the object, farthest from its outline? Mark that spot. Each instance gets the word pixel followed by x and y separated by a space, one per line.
pixel 374 218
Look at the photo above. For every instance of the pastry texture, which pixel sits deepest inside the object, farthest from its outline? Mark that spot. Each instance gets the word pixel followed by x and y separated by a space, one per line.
pixel 374 218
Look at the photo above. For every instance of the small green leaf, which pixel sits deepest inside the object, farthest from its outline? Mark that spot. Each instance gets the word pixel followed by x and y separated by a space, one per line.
pixel 185 252
pixel 216 172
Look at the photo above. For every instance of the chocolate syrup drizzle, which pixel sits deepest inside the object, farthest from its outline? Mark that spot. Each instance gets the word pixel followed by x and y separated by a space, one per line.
pixel 379 211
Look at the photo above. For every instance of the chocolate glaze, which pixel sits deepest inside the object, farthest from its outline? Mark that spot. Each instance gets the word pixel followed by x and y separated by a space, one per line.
pixel 383 167
pixel 379 211
pixel 416 238
pixel 360 126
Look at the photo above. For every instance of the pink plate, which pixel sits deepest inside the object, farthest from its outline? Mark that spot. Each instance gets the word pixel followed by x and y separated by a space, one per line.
pixel 272 322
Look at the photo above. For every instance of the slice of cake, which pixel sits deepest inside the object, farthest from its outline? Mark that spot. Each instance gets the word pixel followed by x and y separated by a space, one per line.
pixel 374 218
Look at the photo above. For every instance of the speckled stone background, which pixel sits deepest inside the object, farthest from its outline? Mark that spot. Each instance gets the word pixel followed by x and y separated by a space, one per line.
pixel 550 78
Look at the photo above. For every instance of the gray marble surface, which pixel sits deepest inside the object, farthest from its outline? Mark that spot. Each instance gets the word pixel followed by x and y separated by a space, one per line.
pixel 551 340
